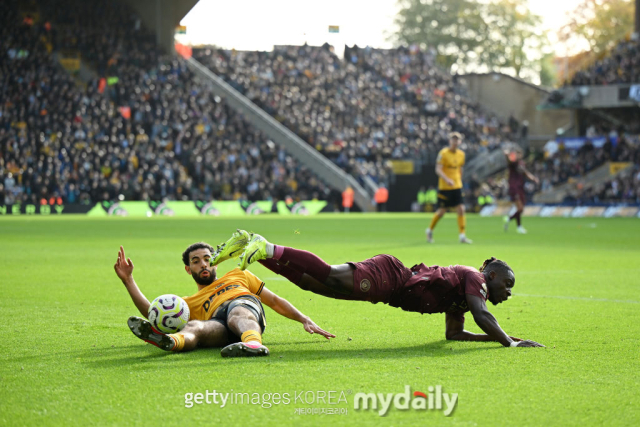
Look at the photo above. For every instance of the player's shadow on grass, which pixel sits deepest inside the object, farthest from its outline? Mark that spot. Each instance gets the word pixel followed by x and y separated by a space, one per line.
pixel 149 357
pixel 309 341
pixel 142 356
pixel 92 352
pixel 441 348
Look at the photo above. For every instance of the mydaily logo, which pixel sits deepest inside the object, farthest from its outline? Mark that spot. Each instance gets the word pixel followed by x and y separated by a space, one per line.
pixel 432 400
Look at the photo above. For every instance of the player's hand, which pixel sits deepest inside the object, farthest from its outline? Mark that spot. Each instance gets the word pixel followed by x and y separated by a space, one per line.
pixel 536 180
pixel 450 182
pixel 529 343
pixel 123 266
pixel 312 328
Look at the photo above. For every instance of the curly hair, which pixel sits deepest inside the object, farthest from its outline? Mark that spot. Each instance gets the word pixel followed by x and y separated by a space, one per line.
pixel 193 247
pixel 494 264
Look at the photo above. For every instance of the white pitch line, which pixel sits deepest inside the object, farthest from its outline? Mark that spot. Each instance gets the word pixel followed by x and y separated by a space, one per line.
pixel 626 301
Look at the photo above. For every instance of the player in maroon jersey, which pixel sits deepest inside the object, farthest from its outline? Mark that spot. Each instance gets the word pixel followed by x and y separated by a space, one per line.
pixel 452 290
pixel 517 174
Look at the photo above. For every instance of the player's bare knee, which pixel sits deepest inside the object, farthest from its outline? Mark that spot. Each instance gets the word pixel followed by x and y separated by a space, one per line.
pixel 239 313
pixel 212 333
pixel 193 326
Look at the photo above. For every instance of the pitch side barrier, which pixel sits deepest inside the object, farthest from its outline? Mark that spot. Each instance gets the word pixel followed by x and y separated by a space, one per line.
pixel 171 208
pixel 308 207
pixel 316 162
pixel 565 211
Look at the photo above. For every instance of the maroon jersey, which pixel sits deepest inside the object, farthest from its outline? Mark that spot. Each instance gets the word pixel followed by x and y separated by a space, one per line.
pixel 440 289
pixel 376 279
pixel 516 177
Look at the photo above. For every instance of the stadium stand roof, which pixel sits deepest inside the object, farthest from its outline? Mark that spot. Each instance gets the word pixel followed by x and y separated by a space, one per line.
pixel 162 17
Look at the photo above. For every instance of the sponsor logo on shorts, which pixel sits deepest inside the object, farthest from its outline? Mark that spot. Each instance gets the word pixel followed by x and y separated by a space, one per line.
pixel 365 285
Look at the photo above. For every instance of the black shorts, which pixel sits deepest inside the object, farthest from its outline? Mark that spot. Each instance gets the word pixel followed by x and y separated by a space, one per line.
pixel 249 302
pixel 449 198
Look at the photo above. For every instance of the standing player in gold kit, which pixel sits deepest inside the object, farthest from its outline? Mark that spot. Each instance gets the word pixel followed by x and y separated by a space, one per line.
pixel 449 170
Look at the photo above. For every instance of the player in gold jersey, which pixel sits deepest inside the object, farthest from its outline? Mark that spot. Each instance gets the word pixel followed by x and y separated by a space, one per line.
pixel 224 310
pixel 449 166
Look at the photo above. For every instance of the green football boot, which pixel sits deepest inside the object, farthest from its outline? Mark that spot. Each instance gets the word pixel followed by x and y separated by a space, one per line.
pixel 232 248
pixel 255 251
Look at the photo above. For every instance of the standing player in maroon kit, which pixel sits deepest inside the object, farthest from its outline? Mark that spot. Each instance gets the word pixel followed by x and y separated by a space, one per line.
pixel 517 174
pixel 452 290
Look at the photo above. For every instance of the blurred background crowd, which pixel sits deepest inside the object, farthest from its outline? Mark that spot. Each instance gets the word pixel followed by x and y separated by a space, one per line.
pixel 134 123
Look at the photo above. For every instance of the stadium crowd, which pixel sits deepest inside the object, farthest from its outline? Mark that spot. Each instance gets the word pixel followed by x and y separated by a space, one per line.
pixel 557 165
pixel 622 65
pixel 373 106
pixel 155 133
pixel 143 127
pixel 623 189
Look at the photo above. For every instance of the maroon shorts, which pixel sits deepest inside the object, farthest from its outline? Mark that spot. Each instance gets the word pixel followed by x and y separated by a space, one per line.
pixel 517 194
pixel 375 279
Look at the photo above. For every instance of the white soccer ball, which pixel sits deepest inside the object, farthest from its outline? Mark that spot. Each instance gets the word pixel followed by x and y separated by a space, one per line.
pixel 168 313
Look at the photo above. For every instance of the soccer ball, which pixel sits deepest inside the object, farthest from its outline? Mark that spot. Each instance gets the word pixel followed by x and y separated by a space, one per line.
pixel 169 313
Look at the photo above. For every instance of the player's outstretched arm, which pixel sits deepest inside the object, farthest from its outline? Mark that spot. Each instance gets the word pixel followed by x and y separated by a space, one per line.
pixel 286 309
pixel 485 320
pixel 124 270
pixel 529 175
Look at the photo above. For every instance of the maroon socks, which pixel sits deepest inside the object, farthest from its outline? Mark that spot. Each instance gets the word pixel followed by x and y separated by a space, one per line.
pixel 516 215
pixel 302 261
pixel 291 274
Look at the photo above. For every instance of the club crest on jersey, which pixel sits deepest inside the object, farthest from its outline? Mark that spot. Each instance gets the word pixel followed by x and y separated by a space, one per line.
pixel 365 285
pixel 483 291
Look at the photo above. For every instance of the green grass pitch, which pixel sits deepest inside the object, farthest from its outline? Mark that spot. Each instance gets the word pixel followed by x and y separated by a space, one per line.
pixel 67 356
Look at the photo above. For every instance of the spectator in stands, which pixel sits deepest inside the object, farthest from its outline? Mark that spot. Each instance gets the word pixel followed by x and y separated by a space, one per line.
pixel 154 133
pixel 621 65
pixel 374 106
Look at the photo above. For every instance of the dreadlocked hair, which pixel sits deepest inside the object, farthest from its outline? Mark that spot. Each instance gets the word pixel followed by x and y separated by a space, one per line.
pixel 494 264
